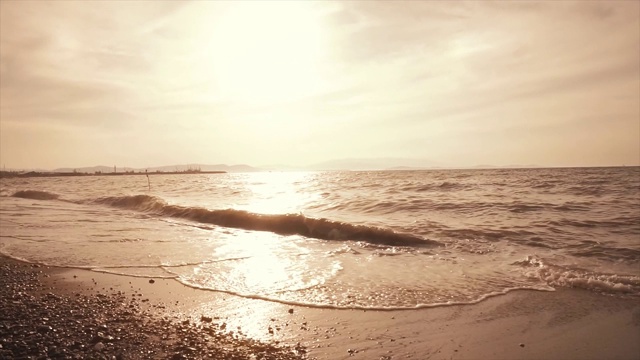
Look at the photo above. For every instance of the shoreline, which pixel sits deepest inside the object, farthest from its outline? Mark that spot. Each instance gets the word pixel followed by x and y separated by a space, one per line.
pixel 565 324
pixel 44 316
pixel 32 174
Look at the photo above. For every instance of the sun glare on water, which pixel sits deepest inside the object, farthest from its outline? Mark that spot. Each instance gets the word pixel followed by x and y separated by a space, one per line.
pixel 278 193
pixel 267 52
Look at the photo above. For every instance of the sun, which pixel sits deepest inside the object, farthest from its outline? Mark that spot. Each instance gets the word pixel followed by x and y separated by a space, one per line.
pixel 267 52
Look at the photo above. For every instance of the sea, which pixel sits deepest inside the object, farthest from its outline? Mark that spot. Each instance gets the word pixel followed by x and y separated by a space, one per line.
pixel 375 240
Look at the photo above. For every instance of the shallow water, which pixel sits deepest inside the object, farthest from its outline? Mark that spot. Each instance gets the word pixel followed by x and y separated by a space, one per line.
pixel 380 240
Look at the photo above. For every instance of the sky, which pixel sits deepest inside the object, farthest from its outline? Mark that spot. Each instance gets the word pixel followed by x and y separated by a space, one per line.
pixel 142 84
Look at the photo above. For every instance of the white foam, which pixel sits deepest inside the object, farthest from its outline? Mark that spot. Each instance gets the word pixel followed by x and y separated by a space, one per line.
pixel 561 276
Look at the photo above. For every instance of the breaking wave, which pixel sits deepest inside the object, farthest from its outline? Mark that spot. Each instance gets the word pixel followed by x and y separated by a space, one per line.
pixel 282 224
pixel 35 195
pixel 562 276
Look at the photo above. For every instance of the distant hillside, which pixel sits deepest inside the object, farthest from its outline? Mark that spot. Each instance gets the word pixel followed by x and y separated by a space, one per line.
pixel 401 168
pixel 338 164
pixel 92 169
pixel 205 167
pixel 514 166
pixel 202 167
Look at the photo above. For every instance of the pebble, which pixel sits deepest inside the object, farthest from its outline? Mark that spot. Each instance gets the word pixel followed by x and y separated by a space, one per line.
pixel 73 325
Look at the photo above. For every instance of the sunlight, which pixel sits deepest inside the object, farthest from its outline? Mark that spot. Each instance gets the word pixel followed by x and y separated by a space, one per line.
pixel 267 52
pixel 264 264
pixel 278 193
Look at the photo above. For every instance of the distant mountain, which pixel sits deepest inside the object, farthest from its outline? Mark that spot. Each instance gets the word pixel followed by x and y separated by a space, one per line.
pixel 401 168
pixel 514 166
pixel 354 164
pixel 517 166
pixel 202 167
pixel 484 166
pixel 205 167
pixel 92 169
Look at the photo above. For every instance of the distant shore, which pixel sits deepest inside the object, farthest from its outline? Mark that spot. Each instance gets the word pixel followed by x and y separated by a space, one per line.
pixel 14 174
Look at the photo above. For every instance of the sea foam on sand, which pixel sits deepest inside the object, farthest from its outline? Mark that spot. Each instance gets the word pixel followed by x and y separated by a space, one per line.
pixel 564 324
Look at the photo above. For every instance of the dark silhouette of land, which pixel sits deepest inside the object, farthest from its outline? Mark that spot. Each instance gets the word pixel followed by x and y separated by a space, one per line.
pixel 10 174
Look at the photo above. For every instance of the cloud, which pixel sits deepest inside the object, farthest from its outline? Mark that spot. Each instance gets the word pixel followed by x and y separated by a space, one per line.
pixel 461 81
pixel 525 51
pixel 74 62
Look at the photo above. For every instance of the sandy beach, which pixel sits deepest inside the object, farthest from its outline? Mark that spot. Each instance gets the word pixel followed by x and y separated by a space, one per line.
pixel 42 316
pixel 69 313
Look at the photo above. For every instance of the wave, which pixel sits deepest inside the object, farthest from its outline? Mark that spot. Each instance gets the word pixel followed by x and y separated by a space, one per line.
pixel 611 253
pixel 35 195
pixel 484 234
pixel 561 276
pixel 315 305
pixel 620 222
pixel 435 187
pixel 282 224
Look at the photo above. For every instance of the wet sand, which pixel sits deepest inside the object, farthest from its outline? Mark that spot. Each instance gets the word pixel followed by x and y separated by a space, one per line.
pixel 175 321
pixel 44 317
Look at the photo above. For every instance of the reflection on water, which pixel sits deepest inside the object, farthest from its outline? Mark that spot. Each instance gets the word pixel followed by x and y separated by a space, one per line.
pixel 492 230
pixel 262 265
pixel 277 193
pixel 261 320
